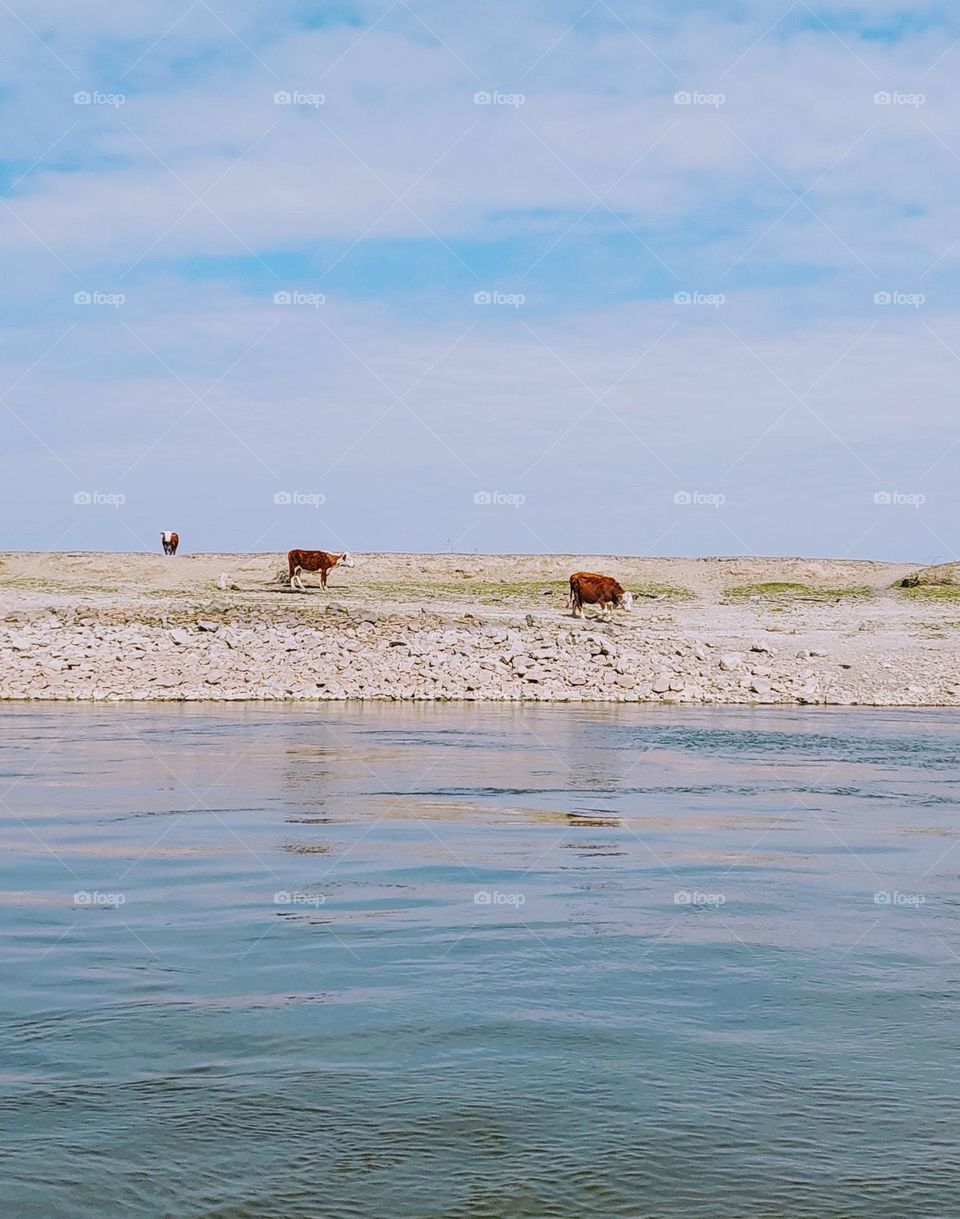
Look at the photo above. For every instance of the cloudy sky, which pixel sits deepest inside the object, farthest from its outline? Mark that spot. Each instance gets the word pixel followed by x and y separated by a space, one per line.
pixel 656 278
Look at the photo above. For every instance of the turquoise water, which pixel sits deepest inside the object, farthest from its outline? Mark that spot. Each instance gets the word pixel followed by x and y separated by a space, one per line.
pixel 291 963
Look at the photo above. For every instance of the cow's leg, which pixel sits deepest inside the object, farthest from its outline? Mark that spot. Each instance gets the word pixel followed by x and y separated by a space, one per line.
pixel 323 577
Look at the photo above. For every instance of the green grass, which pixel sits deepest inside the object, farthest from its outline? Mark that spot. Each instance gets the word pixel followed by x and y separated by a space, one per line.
pixel 777 590
pixel 26 582
pixel 486 591
pixel 493 592
pixel 663 592
pixel 932 592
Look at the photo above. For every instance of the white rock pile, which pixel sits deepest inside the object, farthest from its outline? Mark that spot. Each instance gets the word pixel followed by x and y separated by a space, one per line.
pixel 225 654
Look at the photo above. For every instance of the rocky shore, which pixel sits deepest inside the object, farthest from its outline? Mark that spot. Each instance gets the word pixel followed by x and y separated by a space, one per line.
pixel 227 645
pixel 106 656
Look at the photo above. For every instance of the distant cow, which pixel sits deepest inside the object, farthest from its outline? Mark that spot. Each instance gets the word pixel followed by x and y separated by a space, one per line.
pixel 587 588
pixel 170 541
pixel 314 560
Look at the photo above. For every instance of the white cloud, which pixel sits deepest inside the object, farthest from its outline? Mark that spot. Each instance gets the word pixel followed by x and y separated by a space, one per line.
pixel 709 193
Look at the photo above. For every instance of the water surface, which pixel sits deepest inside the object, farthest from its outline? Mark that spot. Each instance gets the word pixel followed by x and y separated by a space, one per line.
pixel 464 961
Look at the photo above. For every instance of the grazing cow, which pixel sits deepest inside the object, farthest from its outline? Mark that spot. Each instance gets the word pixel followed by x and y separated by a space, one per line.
pixel 587 588
pixel 314 560
pixel 170 541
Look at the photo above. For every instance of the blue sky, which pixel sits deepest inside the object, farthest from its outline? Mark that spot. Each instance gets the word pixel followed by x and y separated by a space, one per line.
pixel 666 278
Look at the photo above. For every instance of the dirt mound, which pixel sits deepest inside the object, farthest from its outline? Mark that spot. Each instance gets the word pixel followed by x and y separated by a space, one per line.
pixel 941 574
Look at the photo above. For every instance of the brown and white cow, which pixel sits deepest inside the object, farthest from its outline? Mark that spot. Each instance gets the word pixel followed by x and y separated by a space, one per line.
pixel 314 560
pixel 170 541
pixel 588 588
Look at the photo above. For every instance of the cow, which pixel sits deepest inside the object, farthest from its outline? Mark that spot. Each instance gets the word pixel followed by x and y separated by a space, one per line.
pixel 300 561
pixel 588 588
pixel 170 541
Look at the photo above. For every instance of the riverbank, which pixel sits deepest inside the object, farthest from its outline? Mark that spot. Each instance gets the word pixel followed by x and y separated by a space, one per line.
pixel 86 626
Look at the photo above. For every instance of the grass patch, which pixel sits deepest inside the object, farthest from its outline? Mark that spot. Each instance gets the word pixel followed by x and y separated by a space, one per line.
pixel 932 592
pixel 499 592
pixel 777 590
pixel 487 591
pixel 37 584
pixel 32 583
pixel 663 592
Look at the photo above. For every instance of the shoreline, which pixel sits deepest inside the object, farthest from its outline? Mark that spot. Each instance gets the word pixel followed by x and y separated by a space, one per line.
pixel 480 628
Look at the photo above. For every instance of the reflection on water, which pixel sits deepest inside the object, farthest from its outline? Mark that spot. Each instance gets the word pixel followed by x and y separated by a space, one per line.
pixel 283 963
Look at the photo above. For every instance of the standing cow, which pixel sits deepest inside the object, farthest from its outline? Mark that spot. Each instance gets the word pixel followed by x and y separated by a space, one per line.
pixel 170 541
pixel 300 561
pixel 588 588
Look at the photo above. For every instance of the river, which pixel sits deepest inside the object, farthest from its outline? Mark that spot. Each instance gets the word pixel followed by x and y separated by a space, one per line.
pixel 312 962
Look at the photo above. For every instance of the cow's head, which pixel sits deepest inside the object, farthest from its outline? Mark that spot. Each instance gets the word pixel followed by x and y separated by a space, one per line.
pixel 627 600
pixel 346 559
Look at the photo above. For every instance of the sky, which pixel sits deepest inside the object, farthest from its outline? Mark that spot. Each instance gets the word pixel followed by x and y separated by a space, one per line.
pixel 528 276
